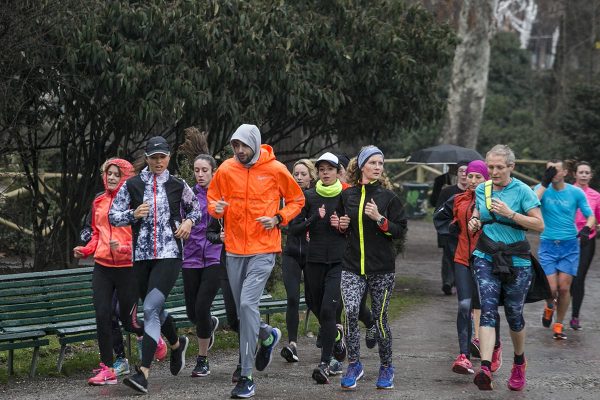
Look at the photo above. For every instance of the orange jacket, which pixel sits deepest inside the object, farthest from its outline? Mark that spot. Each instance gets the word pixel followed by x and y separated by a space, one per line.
pixel 103 231
pixel 251 193
pixel 463 211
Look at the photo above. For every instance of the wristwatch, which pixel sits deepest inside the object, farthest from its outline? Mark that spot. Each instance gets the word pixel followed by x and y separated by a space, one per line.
pixel 279 219
pixel 381 221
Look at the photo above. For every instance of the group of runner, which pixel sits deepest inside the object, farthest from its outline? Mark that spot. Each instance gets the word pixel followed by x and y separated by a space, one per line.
pixel 225 233
pixel 493 263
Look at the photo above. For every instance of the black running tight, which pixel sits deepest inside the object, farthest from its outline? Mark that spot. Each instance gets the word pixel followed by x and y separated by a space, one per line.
pixel 587 250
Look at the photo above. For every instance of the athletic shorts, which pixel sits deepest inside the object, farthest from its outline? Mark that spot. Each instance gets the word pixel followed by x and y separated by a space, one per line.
pixel 559 255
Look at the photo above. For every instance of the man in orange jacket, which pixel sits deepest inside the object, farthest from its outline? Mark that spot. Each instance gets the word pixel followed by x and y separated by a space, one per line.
pixel 246 192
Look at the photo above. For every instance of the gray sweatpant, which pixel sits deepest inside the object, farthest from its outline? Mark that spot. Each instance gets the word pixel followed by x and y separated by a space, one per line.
pixel 247 278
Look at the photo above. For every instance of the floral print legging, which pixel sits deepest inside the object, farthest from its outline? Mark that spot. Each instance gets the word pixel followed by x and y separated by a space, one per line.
pixel 380 288
pixel 490 289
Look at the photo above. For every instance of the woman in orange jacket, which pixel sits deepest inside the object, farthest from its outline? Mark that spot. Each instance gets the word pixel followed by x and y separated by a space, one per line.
pixel 111 248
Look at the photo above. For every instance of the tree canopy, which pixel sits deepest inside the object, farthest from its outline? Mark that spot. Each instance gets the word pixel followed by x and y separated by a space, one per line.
pixel 87 81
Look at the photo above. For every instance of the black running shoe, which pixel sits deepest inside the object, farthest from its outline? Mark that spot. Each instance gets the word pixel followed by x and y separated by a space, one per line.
pixel 202 368
pixel 321 373
pixel 178 356
pixel 290 354
pixel 137 381
pixel 264 355
pixel 244 388
pixel 237 374
pixel 339 347
pixel 215 325
pixel 371 336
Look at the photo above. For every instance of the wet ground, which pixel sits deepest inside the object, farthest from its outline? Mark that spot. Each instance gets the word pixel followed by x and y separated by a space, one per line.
pixel 425 345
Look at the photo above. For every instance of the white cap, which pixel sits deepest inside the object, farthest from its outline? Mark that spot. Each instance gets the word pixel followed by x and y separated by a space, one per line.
pixel 330 158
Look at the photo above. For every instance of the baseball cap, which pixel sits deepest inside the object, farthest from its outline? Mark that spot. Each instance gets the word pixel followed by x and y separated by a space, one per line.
pixel 329 158
pixel 157 145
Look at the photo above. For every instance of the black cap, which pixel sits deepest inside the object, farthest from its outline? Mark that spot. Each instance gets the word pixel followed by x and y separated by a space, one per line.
pixel 156 145
pixel 344 160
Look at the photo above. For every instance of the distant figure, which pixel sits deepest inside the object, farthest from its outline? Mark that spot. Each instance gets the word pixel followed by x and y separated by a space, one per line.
pixel 559 244
pixel 448 242
pixel 587 248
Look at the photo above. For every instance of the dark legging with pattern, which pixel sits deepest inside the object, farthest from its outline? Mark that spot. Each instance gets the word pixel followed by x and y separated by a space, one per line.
pixel 380 287
pixel 490 289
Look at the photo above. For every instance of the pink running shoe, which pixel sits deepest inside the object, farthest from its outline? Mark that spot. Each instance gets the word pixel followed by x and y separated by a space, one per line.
pixel 483 379
pixel 496 358
pixel 161 350
pixel 104 376
pixel 462 365
pixel 517 379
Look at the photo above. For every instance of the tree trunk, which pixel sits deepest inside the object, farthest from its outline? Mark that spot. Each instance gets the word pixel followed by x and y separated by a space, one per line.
pixel 468 86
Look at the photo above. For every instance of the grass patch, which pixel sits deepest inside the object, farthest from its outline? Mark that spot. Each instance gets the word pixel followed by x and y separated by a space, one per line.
pixel 84 356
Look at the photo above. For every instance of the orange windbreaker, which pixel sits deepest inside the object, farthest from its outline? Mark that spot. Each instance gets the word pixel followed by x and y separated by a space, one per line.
pixel 251 193
pixel 103 231
pixel 463 211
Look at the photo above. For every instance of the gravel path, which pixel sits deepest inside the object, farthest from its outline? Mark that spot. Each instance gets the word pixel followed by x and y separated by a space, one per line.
pixel 425 345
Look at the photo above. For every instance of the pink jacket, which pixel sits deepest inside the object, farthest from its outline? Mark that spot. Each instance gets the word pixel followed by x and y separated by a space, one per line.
pixel 593 198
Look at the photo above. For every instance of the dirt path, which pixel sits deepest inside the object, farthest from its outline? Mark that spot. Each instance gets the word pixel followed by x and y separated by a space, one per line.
pixel 425 345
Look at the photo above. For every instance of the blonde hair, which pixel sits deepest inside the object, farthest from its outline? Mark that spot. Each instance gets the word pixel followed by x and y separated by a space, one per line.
pixel 312 171
pixel 354 175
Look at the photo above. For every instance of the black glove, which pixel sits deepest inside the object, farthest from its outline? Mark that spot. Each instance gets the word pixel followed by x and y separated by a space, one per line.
pixel 584 233
pixel 548 175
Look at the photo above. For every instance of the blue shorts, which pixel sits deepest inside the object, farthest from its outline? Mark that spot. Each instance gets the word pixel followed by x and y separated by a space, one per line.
pixel 559 255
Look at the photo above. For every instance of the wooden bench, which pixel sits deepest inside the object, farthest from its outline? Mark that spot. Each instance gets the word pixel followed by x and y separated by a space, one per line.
pixel 34 305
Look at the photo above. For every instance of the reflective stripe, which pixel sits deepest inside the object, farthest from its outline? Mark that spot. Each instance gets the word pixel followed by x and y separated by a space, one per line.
pixel 381 330
pixel 361 234
pixel 487 190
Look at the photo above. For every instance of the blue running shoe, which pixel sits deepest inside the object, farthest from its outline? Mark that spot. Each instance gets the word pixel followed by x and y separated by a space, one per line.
pixel 386 377
pixel 353 374
pixel 121 366
pixel 265 353
pixel 244 388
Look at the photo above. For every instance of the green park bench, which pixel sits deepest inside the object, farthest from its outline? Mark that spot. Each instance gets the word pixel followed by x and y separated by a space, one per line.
pixel 36 305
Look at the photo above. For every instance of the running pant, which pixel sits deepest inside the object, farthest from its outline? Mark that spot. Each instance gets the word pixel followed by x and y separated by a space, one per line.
pixel 291 270
pixel 464 291
pixel 586 254
pixel 117 335
pixel 200 286
pixel 324 284
pixel 155 279
pixel 105 281
pixel 490 289
pixel 380 287
pixel 364 315
pixel 448 261
pixel 248 277
pixel 230 308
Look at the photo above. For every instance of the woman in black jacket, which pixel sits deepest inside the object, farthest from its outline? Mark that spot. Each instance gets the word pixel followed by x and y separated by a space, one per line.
pixel 293 261
pixel 323 270
pixel 376 219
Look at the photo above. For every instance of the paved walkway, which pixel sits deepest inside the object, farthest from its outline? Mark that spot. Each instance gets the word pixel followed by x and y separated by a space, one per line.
pixel 425 345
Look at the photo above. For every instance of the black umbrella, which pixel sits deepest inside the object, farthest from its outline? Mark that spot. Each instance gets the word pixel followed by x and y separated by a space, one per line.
pixel 443 154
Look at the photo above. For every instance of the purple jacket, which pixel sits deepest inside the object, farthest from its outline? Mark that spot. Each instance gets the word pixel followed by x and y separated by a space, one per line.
pixel 198 251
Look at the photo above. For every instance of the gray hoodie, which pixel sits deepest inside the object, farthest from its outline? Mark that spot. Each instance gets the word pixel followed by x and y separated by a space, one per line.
pixel 250 136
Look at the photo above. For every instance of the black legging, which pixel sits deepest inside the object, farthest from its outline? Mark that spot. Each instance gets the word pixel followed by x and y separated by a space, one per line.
pixel 200 286
pixel 230 308
pixel 324 284
pixel 155 280
pixel 291 271
pixel 105 281
pixel 586 254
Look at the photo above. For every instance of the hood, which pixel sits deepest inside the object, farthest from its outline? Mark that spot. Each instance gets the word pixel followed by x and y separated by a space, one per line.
pixel 124 166
pixel 250 136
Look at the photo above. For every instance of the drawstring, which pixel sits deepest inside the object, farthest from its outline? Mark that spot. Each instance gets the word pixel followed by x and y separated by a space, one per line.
pixel 155 252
